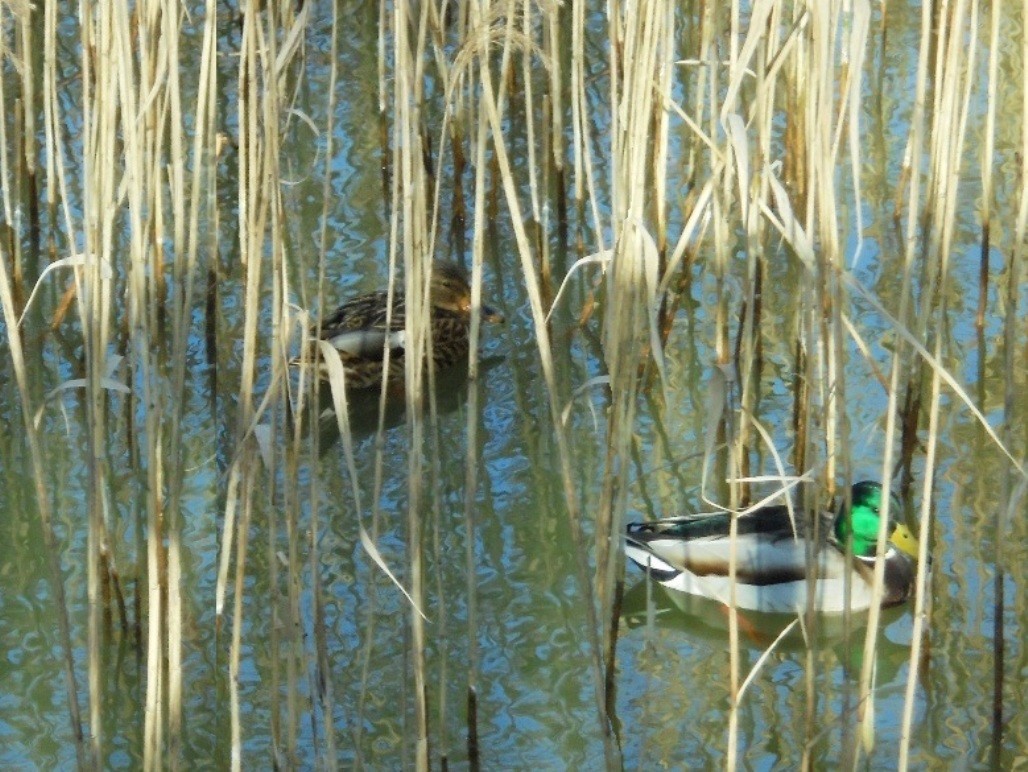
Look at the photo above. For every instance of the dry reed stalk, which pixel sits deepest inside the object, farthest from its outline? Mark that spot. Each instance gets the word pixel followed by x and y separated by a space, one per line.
pixel 410 205
pixel 827 315
pixel 7 188
pixel 492 112
pixel 275 101
pixel 853 57
pixel 388 20
pixel 948 114
pixel 471 466
pixel 100 128
pixel 865 704
pixel 553 148
pixel 584 175
pixel 369 537
pixel 39 471
pixel 147 144
pixel 324 689
pixel 720 206
pixel 747 355
pixel 251 216
pixel 925 517
pixel 1014 490
pixel 432 198
pixel 143 140
pixel 271 44
pixel 528 102
pixel 728 464
pixel 29 134
pixel 20 368
pixel 986 165
pixel 640 83
pixel 764 54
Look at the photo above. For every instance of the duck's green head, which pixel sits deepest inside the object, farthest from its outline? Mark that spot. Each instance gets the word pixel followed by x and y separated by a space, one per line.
pixel 859 526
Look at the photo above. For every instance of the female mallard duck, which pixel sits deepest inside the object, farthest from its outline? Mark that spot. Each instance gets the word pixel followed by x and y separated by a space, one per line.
pixel 359 329
pixel 691 554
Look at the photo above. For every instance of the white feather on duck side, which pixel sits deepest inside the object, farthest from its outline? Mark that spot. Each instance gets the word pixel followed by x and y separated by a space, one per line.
pixel 776 567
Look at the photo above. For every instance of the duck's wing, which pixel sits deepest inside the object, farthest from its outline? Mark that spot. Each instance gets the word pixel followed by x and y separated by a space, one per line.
pixel 767 549
pixel 367 344
pixel 365 312
pixel 771 521
pixel 362 328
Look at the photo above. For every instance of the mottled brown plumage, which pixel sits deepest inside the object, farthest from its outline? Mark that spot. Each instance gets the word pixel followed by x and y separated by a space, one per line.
pixel 360 331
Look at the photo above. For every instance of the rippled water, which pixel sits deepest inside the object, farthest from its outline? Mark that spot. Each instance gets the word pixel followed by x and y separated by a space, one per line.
pixel 535 691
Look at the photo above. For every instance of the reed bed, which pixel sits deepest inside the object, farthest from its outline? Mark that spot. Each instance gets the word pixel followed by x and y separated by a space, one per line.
pixel 158 271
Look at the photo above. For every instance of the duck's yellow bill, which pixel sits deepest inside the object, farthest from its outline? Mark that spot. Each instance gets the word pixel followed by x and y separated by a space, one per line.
pixel 905 541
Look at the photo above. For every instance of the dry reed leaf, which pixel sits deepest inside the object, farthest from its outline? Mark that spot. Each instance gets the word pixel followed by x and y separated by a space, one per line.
pixel 337 380
pixel 599 380
pixel 21 8
pixel 292 40
pixel 699 215
pixel 263 435
pixel 603 258
pixel 740 152
pixel 761 660
pixel 80 260
pixel 107 382
pixel 938 367
pixel 715 400
pixel 785 221
pixel 755 37
pixel 375 555
pixel 867 725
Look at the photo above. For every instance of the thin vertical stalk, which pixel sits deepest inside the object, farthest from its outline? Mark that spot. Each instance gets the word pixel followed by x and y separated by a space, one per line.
pixel 9 305
pixel 583 165
pixel 94 291
pixel 721 206
pixel 412 210
pixel 471 465
pixel 922 563
pixel 324 691
pixel 986 164
pixel 1010 365
pixel 542 338
pixel 141 137
pixel 252 213
pixel 641 84
pixel 916 136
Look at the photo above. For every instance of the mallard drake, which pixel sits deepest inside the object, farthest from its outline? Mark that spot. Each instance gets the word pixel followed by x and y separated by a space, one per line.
pixel 691 554
pixel 359 330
